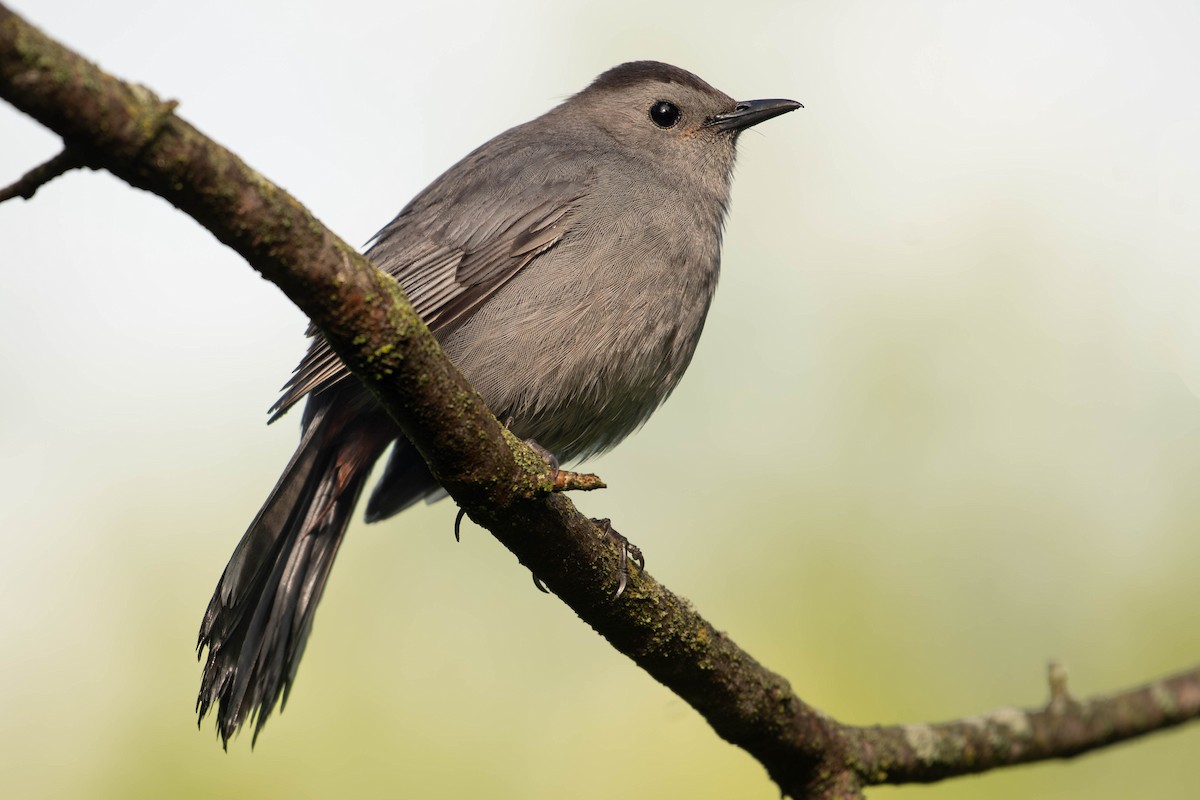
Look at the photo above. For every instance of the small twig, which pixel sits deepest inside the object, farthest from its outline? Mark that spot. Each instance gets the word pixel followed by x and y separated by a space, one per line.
pixel 567 481
pixel 1061 701
pixel 42 174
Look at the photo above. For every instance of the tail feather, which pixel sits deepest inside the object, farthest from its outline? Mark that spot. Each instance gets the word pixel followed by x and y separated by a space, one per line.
pixel 405 480
pixel 261 613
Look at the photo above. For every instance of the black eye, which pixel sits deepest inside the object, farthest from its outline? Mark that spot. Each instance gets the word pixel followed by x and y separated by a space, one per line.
pixel 664 114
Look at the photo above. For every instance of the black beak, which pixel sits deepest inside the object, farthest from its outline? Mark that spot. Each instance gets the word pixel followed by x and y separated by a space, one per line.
pixel 751 112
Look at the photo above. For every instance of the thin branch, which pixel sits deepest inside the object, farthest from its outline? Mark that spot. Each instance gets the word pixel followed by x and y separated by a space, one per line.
pixel 566 481
pixel 502 484
pixel 1064 728
pixel 28 184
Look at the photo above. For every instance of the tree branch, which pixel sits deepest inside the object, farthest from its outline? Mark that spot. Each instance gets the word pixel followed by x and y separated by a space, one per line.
pixel 1064 728
pixel 502 484
pixel 28 184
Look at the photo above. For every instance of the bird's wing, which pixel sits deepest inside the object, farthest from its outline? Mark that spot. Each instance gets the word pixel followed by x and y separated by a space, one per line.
pixel 449 257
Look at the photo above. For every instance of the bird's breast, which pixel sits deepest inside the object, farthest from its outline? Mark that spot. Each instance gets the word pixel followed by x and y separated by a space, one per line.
pixel 590 337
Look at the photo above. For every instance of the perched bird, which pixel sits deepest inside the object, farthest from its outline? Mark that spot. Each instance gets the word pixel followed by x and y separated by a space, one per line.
pixel 566 267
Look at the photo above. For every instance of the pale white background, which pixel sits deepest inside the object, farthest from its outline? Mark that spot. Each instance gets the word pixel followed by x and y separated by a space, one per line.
pixel 942 427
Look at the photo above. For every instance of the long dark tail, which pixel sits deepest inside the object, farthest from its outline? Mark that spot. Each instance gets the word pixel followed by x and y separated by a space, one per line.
pixel 260 616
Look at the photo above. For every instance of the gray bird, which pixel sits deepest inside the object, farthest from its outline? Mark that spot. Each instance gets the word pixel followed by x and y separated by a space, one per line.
pixel 566 267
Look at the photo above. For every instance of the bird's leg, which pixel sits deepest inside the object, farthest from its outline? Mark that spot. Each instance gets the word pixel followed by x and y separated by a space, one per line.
pixel 566 481
pixel 627 551
pixel 563 480
pixel 548 458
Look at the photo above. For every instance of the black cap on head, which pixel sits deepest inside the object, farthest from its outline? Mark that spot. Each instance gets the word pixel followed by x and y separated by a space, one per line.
pixel 635 72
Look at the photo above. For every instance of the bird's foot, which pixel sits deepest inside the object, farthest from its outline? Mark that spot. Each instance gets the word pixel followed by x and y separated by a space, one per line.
pixel 627 552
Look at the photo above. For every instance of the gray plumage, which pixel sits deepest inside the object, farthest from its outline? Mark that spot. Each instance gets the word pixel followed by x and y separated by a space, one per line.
pixel 566 267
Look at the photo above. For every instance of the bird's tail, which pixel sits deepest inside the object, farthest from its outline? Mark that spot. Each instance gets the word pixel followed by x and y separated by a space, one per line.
pixel 261 613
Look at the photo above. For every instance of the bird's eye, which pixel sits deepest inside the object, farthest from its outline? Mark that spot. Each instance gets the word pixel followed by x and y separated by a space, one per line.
pixel 664 114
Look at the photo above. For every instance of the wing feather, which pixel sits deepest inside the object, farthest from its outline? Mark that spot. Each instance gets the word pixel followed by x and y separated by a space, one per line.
pixel 448 261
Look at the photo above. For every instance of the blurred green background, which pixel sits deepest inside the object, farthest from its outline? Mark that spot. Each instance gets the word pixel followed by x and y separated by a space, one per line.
pixel 943 425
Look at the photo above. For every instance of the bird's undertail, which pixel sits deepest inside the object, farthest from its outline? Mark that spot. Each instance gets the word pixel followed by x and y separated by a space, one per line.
pixel 260 616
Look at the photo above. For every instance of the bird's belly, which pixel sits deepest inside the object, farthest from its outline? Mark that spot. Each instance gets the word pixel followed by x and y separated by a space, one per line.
pixel 575 372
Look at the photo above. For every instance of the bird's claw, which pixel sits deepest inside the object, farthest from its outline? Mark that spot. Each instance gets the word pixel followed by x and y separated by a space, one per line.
pixel 626 552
